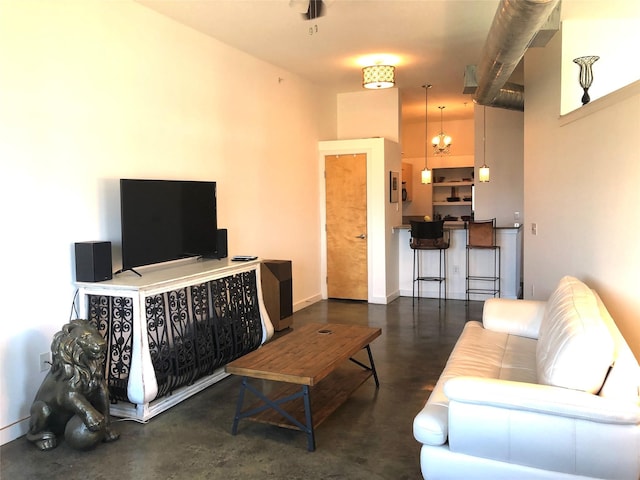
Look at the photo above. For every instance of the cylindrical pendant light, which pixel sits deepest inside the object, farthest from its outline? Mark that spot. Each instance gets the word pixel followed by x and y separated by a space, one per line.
pixel 483 172
pixel 426 173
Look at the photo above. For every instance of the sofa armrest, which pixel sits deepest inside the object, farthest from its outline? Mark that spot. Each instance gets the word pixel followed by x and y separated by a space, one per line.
pixel 544 427
pixel 515 317
pixel 541 399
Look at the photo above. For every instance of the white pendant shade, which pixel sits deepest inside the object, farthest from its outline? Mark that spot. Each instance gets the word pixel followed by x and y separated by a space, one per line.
pixel 426 175
pixel 484 174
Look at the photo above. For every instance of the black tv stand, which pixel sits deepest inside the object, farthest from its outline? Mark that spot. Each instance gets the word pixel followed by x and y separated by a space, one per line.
pixel 122 270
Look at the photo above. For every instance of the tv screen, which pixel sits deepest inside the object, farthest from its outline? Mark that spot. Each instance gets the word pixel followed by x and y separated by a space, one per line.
pixel 165 220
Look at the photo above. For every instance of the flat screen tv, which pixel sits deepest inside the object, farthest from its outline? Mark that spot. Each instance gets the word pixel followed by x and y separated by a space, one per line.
pixel 165 220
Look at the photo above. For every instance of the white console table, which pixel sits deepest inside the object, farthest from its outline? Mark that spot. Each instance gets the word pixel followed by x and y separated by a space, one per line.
pixel 171 330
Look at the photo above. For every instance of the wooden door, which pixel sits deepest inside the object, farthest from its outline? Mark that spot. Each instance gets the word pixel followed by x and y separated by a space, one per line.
pixel 346 188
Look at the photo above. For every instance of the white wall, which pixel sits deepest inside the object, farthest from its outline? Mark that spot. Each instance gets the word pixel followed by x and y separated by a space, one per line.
pixel 581 189
pixel 503 195
pixel 611 40
pixel 93 91
pixel 369 113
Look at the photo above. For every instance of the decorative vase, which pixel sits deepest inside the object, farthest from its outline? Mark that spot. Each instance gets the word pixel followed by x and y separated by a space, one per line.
pixel 586 74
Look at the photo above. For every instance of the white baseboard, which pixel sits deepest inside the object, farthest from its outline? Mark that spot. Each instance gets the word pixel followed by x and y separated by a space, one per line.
pixel 13 431
pixel 306 302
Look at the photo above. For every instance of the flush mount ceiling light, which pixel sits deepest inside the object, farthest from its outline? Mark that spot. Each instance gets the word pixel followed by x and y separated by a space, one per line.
pixel 442 141
pixel 378 76
pixel 426 173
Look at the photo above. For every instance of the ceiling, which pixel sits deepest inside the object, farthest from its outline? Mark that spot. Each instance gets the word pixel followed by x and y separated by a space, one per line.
pixel 432 40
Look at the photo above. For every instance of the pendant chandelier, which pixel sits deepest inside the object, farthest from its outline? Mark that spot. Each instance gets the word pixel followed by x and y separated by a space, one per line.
pixel 441 142
pixel 426 173
pixel 483 172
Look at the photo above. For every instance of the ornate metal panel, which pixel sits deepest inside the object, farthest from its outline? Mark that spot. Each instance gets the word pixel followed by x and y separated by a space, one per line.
pixel 236 313
pixel 191 331
pixel 113 317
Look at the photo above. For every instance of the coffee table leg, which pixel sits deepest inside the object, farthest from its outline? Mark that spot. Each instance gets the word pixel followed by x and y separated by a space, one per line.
pixel 275 405
pixel 311 439
pixel 236 418
pixel 373 367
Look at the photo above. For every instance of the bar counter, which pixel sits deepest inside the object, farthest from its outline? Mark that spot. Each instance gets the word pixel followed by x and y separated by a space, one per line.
pixel 509 238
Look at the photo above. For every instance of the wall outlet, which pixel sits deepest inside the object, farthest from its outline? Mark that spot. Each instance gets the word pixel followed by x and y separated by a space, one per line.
pixel 45 361
pixel 456 269
pixel 534 229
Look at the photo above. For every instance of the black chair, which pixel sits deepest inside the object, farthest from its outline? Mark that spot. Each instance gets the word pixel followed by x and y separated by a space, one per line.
pixel 481 236
pixel 429 236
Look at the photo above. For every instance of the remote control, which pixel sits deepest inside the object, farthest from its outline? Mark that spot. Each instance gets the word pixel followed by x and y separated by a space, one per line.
pixel 243 258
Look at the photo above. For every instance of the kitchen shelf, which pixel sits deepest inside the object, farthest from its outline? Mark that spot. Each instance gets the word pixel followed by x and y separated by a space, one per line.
pixel 457 182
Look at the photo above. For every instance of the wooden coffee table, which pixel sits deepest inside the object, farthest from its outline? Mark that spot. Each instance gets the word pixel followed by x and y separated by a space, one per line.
pixel 316 378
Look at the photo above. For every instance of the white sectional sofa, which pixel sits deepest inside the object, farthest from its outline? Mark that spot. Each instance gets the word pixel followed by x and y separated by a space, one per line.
pixel 537 390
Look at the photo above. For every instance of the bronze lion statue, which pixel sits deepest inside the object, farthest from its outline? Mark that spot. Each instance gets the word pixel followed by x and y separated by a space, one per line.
pixel 74 389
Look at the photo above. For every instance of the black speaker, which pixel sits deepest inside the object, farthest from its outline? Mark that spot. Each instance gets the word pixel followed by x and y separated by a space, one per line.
pixel 221 243
pixel 93 261
pixel 277 292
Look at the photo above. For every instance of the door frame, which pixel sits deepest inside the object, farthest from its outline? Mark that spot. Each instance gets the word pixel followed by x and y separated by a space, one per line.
pixel 382 245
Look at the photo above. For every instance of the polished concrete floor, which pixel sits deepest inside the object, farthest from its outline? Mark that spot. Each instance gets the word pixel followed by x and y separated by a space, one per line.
pixel 369 437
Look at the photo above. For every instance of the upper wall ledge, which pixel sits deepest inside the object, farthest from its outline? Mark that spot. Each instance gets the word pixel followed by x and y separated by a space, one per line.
pixel 624 93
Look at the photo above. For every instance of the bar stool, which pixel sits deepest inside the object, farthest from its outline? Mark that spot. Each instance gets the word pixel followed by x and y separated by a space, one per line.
pixel 481 236
pixel 429 236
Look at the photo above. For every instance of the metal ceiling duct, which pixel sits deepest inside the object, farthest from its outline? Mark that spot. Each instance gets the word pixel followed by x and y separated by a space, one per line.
pixel 510 96
pixel 514 27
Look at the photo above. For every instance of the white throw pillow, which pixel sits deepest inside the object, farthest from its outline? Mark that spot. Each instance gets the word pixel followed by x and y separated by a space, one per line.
pixel 574 347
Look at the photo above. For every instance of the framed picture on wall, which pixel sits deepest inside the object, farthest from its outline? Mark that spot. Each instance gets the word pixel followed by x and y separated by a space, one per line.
pixel 394 186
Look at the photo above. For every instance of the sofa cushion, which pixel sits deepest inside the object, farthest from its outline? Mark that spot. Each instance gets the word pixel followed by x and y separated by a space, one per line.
pixel 574 347
pixel 481 353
